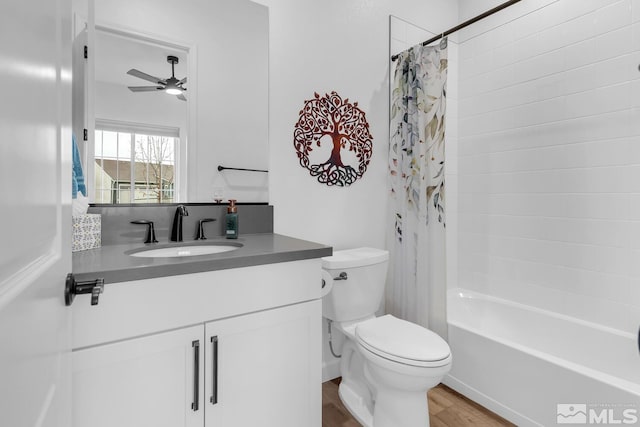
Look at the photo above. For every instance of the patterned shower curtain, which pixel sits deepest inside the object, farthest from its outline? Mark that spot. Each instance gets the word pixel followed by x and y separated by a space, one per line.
pixel 416 287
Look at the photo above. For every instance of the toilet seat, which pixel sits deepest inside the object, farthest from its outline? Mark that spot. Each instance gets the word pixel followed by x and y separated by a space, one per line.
pixel 403 342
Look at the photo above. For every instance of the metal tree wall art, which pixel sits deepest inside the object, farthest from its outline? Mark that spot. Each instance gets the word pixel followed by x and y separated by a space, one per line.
pixel 347 128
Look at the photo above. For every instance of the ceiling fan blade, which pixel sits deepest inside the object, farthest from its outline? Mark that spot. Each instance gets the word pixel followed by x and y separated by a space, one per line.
pixel 145 76
pixel 181 97
pixel 183 81
pixel 145 88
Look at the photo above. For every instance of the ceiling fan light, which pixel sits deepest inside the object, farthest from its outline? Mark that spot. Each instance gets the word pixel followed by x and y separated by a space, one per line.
pixel 173 91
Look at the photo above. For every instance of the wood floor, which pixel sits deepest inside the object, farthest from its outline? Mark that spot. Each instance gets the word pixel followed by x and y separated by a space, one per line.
pixel 447 408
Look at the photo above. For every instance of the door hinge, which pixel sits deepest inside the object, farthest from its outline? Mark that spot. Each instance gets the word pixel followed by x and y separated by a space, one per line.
pixel 86 52
pixel 85 135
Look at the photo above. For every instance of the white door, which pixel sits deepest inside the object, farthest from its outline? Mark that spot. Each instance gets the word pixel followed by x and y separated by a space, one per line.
pixel 263 369
pixel 35 217
pixel 153 381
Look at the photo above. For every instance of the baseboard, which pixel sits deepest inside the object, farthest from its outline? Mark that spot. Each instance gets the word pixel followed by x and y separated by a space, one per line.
pixel 489 403
pixel 330 370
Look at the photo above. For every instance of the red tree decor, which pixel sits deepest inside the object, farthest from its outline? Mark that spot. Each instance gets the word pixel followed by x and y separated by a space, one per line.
pixel 347 126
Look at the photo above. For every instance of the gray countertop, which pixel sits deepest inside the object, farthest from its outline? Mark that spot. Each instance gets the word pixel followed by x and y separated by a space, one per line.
pixel 113 264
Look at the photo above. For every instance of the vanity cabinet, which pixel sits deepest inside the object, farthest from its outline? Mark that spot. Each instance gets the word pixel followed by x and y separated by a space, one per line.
pixel 261 373
pixel 246 358
pixel 141 382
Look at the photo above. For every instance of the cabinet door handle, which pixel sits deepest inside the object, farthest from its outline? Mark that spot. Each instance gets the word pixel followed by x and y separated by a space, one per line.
pixel 196 374
pixel 214 370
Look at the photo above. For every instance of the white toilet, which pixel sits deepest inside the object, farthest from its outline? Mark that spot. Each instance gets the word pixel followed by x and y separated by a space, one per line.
pixel 387 364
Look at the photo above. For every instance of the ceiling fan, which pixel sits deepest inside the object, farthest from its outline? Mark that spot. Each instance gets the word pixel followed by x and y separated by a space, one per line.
pixel 172 86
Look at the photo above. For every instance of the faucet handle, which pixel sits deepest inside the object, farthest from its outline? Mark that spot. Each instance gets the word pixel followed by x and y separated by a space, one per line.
pixel 200 235
pixel 151 231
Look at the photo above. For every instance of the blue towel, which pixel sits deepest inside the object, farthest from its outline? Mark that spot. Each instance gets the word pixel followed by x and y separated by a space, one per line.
pixel 77 181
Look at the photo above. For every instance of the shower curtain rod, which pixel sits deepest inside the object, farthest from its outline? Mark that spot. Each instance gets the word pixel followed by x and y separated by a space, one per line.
pixel 466 23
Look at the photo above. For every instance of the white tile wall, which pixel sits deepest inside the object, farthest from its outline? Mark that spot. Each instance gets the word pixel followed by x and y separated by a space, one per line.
pixel 548 151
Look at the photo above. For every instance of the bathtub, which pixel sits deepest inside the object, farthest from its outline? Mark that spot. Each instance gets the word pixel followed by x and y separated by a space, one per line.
pixel 521 362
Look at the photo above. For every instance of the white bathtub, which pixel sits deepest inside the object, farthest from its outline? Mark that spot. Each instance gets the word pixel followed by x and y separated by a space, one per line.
pixel 521 362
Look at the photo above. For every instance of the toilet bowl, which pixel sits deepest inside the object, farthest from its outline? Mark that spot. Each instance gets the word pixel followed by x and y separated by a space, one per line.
pixel 387 364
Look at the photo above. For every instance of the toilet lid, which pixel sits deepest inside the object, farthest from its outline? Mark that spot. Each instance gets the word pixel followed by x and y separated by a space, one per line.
pixel 401 341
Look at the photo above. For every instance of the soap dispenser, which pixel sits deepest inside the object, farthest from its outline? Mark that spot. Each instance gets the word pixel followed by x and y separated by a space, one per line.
pixel 231 220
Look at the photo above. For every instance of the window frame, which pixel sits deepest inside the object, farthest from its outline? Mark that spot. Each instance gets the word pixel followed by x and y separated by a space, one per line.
pixel 140 129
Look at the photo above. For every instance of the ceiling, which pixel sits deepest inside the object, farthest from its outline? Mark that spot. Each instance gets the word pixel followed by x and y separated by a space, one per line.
pixel 116 54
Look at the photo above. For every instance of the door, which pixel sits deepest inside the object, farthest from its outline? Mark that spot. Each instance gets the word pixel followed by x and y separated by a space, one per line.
pixel 35 247
pixel 153 381
pixel 264 369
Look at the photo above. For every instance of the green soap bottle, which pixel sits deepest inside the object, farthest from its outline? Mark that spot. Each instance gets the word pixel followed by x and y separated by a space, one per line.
pixel 231 220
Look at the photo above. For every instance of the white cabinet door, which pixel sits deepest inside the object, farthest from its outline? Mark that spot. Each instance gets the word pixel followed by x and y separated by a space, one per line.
pixel 267 369
pixel 151 381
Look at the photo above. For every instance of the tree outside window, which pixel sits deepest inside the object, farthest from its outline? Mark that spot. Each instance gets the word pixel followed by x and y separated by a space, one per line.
pixel 134 167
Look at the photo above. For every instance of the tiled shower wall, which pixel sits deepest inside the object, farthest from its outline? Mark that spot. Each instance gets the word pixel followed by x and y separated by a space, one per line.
pixel 549 158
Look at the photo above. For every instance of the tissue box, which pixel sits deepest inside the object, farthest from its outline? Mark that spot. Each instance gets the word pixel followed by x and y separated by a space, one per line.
pixel 86 232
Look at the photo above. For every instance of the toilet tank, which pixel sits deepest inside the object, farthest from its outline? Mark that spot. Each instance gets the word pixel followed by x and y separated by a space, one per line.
pixel 359 295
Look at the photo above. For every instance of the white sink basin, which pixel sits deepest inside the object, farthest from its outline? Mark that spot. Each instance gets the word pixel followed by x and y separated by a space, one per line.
pixel 186 250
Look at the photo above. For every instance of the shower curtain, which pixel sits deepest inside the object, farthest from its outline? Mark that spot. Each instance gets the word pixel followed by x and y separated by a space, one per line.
pixel 416 286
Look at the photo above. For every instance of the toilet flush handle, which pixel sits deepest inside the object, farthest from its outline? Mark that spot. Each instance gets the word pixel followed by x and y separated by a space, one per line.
pixel 327 281
pixel 341 276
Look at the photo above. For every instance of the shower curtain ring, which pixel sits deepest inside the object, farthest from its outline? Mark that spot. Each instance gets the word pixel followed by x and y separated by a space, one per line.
pixel 443 41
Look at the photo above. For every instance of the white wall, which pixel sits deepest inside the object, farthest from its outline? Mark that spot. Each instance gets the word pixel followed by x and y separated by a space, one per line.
pixel 229 48
pixel 116 102
pixel 549 159
pixel 342 46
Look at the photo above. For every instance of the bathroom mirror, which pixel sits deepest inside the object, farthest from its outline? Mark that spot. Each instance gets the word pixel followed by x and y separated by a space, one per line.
pixel 221 48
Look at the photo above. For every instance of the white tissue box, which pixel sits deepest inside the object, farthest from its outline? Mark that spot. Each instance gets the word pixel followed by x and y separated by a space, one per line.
pixel 87 230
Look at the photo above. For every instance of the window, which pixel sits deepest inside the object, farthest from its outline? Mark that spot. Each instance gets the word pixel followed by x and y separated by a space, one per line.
pixel 134 164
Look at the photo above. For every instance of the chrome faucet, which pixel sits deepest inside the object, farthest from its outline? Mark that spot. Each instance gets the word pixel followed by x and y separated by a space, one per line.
pixel 176 230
